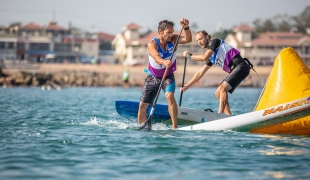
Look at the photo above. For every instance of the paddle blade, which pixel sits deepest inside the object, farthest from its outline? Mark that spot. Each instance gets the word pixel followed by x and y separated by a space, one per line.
pixel 147 126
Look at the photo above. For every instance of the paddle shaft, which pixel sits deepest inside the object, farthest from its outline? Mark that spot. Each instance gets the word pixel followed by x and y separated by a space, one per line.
pixel 183 81
pixel 149 119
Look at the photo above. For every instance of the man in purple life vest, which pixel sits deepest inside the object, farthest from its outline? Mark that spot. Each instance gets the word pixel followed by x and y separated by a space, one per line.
pixel 160 50
pixel 227 58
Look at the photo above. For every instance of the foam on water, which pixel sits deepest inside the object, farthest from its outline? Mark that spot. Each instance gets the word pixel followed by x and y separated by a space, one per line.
pixel 114 124
pixel 160 126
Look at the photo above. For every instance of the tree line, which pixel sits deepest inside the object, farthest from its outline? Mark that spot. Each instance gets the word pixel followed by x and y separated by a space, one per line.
pixel 282 23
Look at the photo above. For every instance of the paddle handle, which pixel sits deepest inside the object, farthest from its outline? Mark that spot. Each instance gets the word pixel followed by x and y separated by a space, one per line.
pixel 180 102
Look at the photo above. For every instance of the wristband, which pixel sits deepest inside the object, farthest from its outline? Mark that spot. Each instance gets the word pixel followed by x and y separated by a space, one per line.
pixel 187 28
pixel 189 55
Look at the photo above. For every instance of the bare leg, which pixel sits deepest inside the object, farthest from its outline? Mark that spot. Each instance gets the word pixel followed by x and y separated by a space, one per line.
pixel 142 112
pixel 227 109
pixel 173 109
pixel 222 96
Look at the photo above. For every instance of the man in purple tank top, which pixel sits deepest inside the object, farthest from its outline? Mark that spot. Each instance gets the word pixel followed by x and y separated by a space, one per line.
pixel 160 50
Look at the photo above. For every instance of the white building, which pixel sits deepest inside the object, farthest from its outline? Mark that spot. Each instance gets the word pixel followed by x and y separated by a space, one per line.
pixel 131 48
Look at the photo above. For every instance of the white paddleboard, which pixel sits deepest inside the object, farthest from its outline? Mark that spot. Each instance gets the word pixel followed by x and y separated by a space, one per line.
pixel 256 117
pixel 198 116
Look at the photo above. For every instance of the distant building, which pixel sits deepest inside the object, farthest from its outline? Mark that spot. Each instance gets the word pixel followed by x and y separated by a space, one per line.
pixel 106 51
pixel 131 46
pixel 51 43
pixel 8 44
pixel 54 43
pixel 33 42
pixel 264 49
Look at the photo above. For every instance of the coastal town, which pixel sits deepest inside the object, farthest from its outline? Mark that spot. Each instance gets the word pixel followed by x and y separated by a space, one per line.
pixel 155 89
pixel 56 56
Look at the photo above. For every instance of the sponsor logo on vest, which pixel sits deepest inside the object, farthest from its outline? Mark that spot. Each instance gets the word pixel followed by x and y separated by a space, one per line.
pixel 286 107
pixel 170 50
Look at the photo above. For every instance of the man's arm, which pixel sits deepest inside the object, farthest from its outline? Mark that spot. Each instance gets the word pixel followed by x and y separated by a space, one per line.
pixel 198 75
pixel 152 49
pixel 199 57
pixel 187 38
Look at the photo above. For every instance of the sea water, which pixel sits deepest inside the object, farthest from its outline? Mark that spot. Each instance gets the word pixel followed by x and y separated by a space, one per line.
pixel 75 133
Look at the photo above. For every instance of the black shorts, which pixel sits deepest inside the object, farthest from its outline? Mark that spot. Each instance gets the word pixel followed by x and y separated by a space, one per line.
pixel 152 84
pixel 238 74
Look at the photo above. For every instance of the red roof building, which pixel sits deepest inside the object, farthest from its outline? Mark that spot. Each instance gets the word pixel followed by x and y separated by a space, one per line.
pixel 131 26
pixel 32 26
pixel 53 26
pixel 278 39
pixel 105 36
pixel 263 49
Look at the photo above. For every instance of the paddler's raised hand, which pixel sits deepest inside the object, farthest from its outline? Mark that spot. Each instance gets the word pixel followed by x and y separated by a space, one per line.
pixel 184 22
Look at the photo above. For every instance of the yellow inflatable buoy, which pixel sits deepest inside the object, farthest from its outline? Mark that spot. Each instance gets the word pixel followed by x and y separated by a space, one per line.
pixel 289 80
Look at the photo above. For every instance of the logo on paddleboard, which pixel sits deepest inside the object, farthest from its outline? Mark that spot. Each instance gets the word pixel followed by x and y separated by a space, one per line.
pixel 286 107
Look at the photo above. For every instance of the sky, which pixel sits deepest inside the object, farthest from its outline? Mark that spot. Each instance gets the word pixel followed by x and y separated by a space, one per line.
pixel 110 16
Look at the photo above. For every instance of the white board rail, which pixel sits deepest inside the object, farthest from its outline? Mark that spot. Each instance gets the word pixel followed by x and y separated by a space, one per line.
pixel 267 114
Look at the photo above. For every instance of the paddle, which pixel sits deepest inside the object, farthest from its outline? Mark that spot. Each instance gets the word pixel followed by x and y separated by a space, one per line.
pixel 147 126
pixel 183 82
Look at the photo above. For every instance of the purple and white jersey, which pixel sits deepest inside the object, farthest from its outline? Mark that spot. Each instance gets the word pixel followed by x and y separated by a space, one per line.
pixel 223 54
pixel 158 70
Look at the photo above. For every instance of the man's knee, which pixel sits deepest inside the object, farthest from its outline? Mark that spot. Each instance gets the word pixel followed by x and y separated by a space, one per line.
pixel 224 87
pixel 143 106
pixel 169 96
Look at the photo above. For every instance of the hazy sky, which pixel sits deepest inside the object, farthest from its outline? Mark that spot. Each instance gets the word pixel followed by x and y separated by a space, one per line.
pixel 110 15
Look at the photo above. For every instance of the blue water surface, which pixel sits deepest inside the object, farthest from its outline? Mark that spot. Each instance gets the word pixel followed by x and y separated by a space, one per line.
pixel 75 133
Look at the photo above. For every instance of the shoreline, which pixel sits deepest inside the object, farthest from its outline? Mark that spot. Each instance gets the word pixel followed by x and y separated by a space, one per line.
pixel 111 75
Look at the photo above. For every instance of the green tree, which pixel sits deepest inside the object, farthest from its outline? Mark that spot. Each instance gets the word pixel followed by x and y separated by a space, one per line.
pixel 223 34
pixel 302 21
pixel 258 26
pixel 194 27
pixel 269 25
pixel 282 22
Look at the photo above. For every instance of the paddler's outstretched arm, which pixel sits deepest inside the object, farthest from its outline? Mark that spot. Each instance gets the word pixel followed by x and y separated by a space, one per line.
pixel 198 75
pixel 199 57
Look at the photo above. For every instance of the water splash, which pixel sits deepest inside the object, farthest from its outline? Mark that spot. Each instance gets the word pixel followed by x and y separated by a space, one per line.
pixel 114 124
pixel 110 124
pixel 160 126
pixel 93 121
